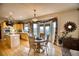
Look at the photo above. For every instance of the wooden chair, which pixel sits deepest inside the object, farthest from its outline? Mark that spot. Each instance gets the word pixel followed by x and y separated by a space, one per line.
pixel 42 35
pixel 24 36
pixel 32 44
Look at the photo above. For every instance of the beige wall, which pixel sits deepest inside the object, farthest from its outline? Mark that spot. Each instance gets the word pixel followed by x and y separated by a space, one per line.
pixel 73 16
pixel 0 9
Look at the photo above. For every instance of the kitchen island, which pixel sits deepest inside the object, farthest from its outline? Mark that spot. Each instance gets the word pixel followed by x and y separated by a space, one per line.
pixel 13 40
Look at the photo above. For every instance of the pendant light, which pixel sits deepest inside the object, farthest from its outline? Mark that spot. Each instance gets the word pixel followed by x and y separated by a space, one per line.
pixel 34 19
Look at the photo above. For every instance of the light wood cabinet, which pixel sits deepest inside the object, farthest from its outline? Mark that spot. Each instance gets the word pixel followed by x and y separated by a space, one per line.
pixel 13 41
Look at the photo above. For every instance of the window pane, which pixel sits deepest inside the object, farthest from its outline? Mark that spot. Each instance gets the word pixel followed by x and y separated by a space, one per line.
pixel 47 30
pixel 35 30
pixel 53 31
pixel 26 28
pixel 41 29
pixel 54 24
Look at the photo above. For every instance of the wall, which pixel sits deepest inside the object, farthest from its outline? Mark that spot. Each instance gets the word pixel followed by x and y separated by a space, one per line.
pixel 63 17
pixel 0 9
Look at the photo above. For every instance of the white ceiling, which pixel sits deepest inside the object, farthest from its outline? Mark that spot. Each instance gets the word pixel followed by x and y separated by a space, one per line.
pixel 26 10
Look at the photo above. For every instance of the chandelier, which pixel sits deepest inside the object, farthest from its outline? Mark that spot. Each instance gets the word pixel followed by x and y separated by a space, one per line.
pixel 35 18
pixel 10 20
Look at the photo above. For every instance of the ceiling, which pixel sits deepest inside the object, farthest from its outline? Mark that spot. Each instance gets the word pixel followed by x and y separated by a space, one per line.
pixel 26 10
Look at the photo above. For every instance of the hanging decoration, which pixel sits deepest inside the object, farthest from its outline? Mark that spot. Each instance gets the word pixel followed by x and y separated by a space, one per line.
pixel 10 21
pixel 70 26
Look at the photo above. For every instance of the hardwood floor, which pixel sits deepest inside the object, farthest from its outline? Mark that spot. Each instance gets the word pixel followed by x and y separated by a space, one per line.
pixel 57 50
pixel 5 51
pixel 23 49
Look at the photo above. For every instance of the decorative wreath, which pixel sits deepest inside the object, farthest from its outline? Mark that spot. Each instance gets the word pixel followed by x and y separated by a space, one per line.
pixel 70 26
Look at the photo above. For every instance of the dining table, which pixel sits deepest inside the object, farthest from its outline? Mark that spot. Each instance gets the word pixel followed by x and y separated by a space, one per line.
pixel 39 46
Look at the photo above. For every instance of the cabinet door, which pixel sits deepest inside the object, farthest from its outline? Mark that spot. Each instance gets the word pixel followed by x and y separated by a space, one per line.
pixel 15 41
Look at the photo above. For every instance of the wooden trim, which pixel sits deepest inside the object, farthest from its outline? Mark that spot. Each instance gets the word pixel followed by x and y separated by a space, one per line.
pixel 47 24
pixel 56 32
pixel 43 21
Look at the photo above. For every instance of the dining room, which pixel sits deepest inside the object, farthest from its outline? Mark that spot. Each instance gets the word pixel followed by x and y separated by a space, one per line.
pixel 37 29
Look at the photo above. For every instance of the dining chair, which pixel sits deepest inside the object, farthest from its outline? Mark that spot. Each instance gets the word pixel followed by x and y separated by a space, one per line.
pixel 42 35
pixel 32 44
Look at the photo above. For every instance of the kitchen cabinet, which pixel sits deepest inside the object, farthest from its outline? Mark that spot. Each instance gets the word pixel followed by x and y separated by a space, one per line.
pixel 13 40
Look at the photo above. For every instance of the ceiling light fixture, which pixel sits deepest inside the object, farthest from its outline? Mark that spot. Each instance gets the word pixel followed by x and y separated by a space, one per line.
pixel 35 18
pixel 9 22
